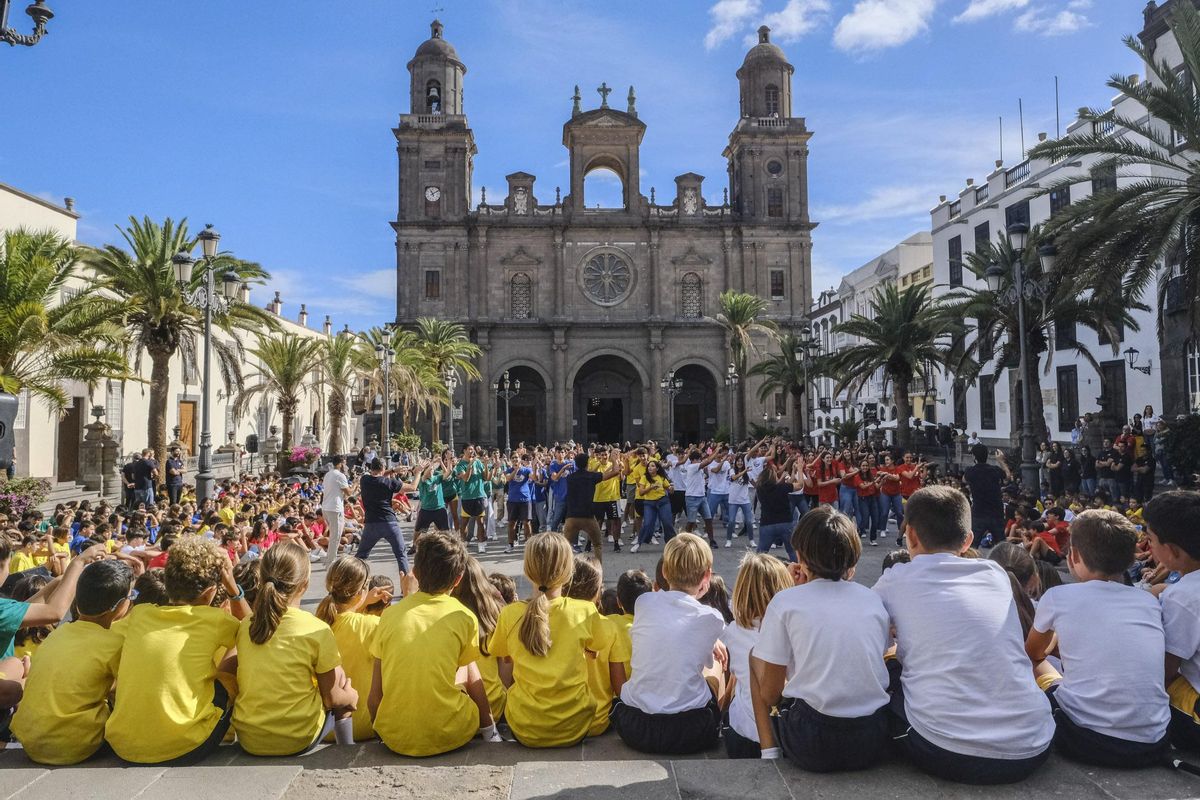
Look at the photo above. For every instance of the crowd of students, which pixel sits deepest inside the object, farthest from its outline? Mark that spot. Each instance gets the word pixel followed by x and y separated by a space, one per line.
pixel 186 629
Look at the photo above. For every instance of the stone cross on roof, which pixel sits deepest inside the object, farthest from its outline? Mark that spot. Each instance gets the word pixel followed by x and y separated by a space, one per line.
pixel 604 93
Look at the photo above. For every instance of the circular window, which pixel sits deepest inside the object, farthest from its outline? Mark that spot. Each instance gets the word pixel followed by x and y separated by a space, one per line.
pixel 607 279
pixel 775 167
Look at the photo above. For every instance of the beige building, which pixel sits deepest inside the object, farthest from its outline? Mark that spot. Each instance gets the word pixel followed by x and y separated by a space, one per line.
pixel 50 446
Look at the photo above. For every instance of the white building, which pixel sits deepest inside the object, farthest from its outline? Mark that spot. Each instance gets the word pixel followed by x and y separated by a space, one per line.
pixel 1071 387
pixel 49 446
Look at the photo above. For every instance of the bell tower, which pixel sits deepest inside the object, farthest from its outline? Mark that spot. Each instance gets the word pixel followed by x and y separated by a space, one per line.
pixel 768 148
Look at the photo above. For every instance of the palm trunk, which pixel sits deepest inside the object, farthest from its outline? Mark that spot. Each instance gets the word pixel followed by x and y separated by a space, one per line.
pixel 337 413
pixel 798 404
pixel 903 412
pixel 160 386
pixel 287 410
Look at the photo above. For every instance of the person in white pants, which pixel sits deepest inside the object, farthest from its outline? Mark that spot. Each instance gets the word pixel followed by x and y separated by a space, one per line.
pixel 335 488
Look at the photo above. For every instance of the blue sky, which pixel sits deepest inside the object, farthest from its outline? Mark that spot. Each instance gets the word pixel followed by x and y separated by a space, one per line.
pixel 273 119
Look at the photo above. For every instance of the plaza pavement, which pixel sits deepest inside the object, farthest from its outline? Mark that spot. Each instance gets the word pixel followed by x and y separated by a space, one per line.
pixel 601 768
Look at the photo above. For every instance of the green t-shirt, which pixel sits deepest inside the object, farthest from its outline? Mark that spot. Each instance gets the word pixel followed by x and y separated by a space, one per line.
pixel 12 614
pixel 472 486
pixel 430 491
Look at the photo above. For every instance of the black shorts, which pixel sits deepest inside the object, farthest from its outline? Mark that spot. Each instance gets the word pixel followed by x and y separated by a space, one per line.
pixel 817 742
pixel 437 517
pixel 1083 744
pixel 639 508
pixel 472 508
pixel 678 502
pixel 670 734
pixel 607 510
pixel 518 511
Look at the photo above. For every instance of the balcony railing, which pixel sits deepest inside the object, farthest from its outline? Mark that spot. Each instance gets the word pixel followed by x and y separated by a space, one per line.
pixel 1103 127
pixel 1017 174
pixel 955 208
pixel 981 194
pixel 770 122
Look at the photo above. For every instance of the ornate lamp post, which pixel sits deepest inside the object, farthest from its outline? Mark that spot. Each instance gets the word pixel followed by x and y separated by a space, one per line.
pixel 40 14
pixel 386 354
pixel 451 377
pixel 803 354
pixel 206 297
pixel 1022 289
pixel 506 390
pixel 670 386
pixel 731 383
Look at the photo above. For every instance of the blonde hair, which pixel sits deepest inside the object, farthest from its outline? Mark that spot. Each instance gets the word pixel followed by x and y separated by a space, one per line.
pixel 760 577
pixel 685 560
pixel 476 592
pixel 588 578
pixel 347 577
pixel 193 566
pixel 549 564
pixel 282 571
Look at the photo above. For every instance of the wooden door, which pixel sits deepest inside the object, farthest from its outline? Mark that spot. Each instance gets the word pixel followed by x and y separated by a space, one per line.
pixel 70 434
pixel 187 427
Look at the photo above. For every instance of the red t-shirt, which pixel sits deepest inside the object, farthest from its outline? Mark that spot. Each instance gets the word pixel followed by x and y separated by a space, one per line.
pixel 829 492
pixel 890 487
pixel 866 484
pixel 159 560
pixel 1049 538
pixel 1062 536
pixel 908 485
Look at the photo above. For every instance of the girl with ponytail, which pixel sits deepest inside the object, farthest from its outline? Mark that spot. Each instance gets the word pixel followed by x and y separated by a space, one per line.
pixel 544 643
pixel 292 689
pixel 476 592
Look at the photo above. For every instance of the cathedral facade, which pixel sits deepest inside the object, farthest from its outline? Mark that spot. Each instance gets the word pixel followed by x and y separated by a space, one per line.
pixel 589 308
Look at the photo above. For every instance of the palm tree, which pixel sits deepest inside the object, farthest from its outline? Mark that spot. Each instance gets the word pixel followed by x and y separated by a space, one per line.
pixel 411 375
pixel 286 365
pixel 846 431
pixel 1066 303
pixel 783 372
pixel 906 336
pixel 159 320
pixel 1131 230
pixel 344 359
pixel 740 318
pixel 45 339
pixel 445 346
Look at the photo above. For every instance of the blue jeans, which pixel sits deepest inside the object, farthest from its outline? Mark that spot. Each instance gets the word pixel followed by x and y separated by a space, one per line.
pixel 655 513
pixel 143 496
pixel 799 505
pixel 848 501
pixel 1088 486
pixel 390 530
pixel 539 508
pixel 778 533
pixel 558 513
pixel 1110 485
pixel 693 504
pixel 868 508
pixel 892 504
pixel 716 502
pixel 747 520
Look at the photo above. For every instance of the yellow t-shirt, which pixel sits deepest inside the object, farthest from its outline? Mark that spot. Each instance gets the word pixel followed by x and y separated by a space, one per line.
pixel 622 649
pixel 166 681
pixel 279 711
pixel 62 714
pixel 21 561
pixel 654 488
pixel 634 471
pixel 65 547
pixel 421 642
pixel 549 704
pixel 606 491
pixel 354 633
pixel 28 649
pixel 599 681
pixel 1183 697
pixel 489 670
pixel 227 515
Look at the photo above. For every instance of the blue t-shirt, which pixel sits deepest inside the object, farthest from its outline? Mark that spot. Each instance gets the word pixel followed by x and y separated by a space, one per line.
pixel 12 614
pixel 558 488
pixel 520 484
pixel 539 489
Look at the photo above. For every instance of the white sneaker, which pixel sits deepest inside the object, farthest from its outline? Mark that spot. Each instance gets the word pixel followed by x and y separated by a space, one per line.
pixel 316 555
pixel 508 549
pixel 729 542
pixel 482 548
pixel 635 548
pixel 874 543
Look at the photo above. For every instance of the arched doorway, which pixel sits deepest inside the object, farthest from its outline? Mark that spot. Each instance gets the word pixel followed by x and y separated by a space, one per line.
pixel 695 416
pixel 607 401
pixel 526 411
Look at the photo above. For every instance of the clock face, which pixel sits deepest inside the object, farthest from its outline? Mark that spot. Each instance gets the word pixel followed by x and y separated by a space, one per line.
pixel 433 194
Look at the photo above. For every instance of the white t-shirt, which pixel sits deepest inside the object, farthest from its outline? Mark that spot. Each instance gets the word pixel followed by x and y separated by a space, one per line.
pixel 331 490
pixel 953 616
pixel 755 467
pixel 718 477
pixel 673 636
pixel 739 493
pixel 674 473
pixel 739 642
pixel 1181 623
pixel 831 636
pixel 1109 640
pixel 693 479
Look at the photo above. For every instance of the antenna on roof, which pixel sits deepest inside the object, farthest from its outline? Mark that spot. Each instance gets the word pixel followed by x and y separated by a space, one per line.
pixel 1021 115
pixel 1057 118
pixel 1001 139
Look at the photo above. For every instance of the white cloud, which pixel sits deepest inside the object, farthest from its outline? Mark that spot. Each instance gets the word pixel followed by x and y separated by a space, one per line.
pixel 794 20
pixel 878 24
pixel 1045 22
pixel 981 9
pixel 728 17
pixel 356 298
pixel 883 202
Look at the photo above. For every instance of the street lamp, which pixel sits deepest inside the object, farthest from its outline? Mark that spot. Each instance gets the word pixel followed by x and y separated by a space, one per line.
pixel 803 354
pixel 1023 289
pixel 451 377
pixel 670 386
pixel 1131 357
pixel 506 390
pixel 385 354
pixel 40 14
pixel 731 383
pixel 207 298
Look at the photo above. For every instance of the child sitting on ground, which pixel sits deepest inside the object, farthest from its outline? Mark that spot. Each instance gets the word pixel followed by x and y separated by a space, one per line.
pixel 586 585
pixel 950 615
pixel 477 592
pixel 61 717
pixel 1110 705
pixel 670 705
pixel 1172 522
pixel 291 687
pixel 630 586
pixel 420 646
pixel 546 640
pixel 760 577
pixel 819 657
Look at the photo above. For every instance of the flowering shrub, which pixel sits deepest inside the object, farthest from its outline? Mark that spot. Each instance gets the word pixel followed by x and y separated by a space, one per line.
pixel 22 494
pixel 304 455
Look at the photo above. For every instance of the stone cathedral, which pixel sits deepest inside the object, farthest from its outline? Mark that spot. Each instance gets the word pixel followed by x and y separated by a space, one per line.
pixel 589 308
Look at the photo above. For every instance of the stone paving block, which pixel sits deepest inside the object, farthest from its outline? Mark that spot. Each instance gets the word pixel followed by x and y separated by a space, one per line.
pixel 403 783
pixel 326 756
pixel 891 779
pixel 14 779
pixel 376 754
pixel 206 783
pixel 609 747
pixel 731 779
pixel 1156 782
pixel 594 780
pixel 509 754
pixel 89 784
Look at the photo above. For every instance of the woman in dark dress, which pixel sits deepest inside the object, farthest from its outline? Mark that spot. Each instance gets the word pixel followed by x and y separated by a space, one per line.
pixel 1054 463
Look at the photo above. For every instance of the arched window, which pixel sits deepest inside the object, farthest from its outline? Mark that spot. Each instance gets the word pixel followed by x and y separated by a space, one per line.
pixel 772 97
pixel 433 97
pixel 521 296
pixel 691 304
